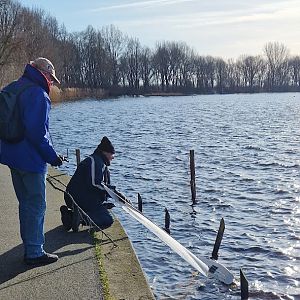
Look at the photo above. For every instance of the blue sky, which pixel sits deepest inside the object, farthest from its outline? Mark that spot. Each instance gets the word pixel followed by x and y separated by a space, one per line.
pixel 225 28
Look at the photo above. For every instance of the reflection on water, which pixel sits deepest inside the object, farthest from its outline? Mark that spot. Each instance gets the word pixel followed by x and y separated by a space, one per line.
pixel 247 151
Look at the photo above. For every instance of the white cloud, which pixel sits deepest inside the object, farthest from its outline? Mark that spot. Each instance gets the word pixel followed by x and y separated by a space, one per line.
pixel 140 4
pixel 264 12
pixel 224 32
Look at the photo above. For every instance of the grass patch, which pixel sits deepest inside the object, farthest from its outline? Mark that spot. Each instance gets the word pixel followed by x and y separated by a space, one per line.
pixel 102 273
pixel 69 94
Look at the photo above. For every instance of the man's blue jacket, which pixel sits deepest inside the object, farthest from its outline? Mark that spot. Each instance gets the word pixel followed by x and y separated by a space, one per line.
pixel 34 152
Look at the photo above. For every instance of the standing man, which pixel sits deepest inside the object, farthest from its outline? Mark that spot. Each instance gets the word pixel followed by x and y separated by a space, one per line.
pixel 85 187
pixel 28 158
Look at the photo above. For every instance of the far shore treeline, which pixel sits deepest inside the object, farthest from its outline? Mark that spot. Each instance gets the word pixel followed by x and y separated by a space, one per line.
pixel 106 62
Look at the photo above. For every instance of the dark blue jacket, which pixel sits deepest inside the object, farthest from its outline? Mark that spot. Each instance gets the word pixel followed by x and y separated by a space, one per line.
pixel 34 152
pixel 85 185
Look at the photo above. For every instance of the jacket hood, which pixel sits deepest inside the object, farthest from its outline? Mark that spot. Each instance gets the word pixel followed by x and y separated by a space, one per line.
pixel 37 77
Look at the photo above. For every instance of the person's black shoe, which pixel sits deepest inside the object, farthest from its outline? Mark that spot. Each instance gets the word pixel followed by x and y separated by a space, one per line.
pixel 45 259
pixel 76 220
pixel 66 217
pixel 84 221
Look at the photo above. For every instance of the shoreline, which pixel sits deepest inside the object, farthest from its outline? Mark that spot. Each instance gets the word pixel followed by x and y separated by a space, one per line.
pixel 58 95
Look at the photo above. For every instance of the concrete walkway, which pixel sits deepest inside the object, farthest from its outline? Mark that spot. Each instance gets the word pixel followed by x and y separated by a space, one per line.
pixel 76 274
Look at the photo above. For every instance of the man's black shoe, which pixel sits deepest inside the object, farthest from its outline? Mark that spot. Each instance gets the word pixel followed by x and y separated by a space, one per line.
pixel 45 259
pixel 84 221
pixel 66 217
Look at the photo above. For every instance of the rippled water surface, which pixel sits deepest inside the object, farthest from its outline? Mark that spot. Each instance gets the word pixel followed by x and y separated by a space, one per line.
pixel 247 154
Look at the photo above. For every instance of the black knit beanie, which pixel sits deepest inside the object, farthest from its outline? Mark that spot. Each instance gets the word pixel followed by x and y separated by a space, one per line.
pixel 106 146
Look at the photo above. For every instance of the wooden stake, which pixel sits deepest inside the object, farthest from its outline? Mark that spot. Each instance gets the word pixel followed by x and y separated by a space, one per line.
pixel 167 221
pixel 77 156
pixel 193 175
pixel 218 240
pixel 244 286
pixel 140 203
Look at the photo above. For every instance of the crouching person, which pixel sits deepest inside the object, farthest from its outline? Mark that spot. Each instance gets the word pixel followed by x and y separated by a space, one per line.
pixel 85 187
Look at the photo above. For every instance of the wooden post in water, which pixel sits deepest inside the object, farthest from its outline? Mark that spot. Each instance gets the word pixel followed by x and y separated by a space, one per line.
pixel 244 286
pixel 77 156
pixel 167 221
pixel 140 203
pixel 193 180
pixel 218 241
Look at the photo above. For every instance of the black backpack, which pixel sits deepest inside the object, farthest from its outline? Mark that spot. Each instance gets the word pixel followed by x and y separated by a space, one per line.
pixel 11 125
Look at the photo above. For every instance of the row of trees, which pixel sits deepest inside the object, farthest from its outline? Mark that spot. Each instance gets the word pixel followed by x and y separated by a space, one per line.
pixel 109 59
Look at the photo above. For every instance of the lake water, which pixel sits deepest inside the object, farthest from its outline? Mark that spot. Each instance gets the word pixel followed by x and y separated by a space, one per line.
pixel 247 155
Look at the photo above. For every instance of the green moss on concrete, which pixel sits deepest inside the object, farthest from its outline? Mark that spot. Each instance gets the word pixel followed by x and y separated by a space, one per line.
pixel 102 273
pixel 125 275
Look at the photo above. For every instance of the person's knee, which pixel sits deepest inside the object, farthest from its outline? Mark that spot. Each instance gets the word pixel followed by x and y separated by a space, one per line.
pixel 107 221
pixel 101 218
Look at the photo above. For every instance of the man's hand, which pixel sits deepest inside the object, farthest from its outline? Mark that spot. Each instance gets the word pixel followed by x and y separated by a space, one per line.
pixel 120 195
pixel 112 187
pixel 57 162
pixel 108 205
pixel 63 158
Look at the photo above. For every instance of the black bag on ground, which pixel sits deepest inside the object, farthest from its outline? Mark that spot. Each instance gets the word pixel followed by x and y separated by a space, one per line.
pixel 11 125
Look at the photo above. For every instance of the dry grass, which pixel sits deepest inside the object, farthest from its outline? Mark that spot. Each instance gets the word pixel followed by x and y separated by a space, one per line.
pixel 69 94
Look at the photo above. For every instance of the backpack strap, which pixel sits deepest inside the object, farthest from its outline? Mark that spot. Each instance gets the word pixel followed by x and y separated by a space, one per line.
pixel 11 88
pixel 23 88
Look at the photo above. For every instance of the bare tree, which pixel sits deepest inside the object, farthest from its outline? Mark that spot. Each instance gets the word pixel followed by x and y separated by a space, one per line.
pixel 249 67
pixel 277 62
pixel 233 76
pixel 161 64
pixel 220 74
pixel 131 61
pixel 9 28
pixel 211 70
pixel 146 71
pixel 114 44
pixel 177 59
pixel 294 65
pixel 186 66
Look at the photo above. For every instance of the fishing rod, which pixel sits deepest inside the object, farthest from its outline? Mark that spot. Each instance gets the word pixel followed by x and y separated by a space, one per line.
pixel 204 266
